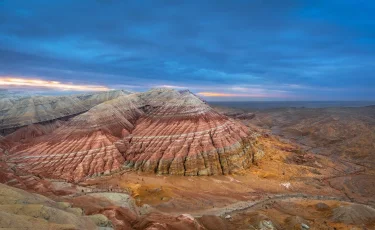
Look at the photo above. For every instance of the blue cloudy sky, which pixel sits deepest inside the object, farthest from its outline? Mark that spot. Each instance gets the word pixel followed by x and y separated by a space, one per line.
pixel 223 50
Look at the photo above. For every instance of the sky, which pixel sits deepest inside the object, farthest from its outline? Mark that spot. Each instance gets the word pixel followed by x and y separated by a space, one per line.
pixel 221 50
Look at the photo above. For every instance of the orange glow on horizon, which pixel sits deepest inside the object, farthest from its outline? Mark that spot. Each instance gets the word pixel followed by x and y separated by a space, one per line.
pixel 215 94
pixel 24 82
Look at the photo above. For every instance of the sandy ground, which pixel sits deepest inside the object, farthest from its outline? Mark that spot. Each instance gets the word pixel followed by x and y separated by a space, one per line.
pixel 286 183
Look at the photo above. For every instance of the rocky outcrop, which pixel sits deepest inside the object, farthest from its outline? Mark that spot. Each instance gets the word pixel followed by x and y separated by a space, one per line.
pixel 160 131
pixel 23 210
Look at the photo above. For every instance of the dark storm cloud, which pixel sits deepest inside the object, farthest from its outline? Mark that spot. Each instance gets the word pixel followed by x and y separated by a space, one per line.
pixel 299 50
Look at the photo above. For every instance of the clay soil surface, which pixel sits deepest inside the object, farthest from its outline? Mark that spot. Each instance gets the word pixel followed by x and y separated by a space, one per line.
pixel 283 187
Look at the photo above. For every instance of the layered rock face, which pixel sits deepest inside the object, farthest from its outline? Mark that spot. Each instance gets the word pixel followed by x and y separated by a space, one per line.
pixel 160 131
pixel 182 135
pixel 83 146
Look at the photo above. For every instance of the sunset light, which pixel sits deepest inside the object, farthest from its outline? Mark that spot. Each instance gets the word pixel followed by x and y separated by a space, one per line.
pixel 216 94
pixel 36 83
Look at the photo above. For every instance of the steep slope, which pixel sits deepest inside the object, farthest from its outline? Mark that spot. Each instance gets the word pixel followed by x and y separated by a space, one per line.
pixel 20 111
pixel 84 146
pixel 182 135
pixel 81 146
pixel 160 131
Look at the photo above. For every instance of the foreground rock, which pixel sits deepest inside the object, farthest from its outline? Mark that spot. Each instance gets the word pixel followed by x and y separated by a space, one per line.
pixel 22 210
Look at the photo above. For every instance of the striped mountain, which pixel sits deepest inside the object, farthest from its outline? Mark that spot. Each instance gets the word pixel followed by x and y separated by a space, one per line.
pixel 160 131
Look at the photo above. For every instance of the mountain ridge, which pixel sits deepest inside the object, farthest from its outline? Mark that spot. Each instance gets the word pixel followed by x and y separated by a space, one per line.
pixel 161 131
pixel 16 112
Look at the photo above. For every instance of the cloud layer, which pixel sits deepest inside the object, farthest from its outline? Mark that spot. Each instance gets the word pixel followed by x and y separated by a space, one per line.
pixel 19 83
pixel 278 50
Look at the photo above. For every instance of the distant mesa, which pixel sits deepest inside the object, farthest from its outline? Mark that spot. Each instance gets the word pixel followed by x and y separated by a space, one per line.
pixel 160 131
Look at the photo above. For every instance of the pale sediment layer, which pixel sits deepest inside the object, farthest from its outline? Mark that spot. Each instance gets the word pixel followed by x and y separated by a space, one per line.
pixel 20 111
